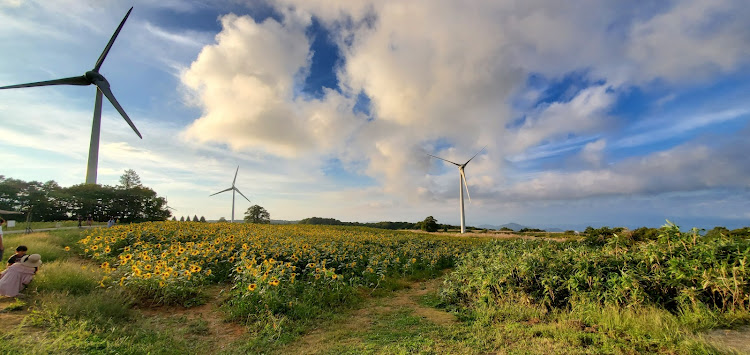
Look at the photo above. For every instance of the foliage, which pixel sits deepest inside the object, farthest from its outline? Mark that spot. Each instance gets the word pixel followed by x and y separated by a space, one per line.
pixel 531 230
pixel 277 271
pixel 50 202
pixel 430 224
pixel 676 271
pixel 130 179
pixel 380 225
pixel 257 214
pixel 598 237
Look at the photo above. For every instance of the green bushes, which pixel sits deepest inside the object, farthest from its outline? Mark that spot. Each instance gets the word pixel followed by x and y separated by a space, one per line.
pixel 675 271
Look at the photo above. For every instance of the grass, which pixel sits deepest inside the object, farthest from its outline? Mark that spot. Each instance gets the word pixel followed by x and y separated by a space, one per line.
pixel 22 225
pixel 49 246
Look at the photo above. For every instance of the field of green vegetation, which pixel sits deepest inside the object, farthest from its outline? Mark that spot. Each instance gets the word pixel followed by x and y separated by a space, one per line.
pixel 184 287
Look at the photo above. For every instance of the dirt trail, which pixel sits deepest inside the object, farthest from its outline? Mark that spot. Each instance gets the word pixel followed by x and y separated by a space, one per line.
pixel 319 340
pixel 207 320
pixel 737 340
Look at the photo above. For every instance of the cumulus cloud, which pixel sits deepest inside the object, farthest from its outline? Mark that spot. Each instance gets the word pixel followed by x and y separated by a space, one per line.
pixel 448 71
pixel 246 84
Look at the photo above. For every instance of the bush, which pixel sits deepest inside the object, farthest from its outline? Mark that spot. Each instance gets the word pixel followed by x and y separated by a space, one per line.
pixel 675 271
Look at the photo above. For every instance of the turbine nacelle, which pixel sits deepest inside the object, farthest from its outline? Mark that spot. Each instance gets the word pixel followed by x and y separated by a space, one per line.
pixel 95 78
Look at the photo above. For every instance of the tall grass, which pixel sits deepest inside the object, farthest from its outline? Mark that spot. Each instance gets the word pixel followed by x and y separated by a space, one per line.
pixel 66 277
pixel 48 246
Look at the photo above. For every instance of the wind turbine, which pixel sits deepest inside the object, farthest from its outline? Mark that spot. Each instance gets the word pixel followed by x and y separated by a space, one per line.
pixel 461 184
pixel 233 189
pixel 92 77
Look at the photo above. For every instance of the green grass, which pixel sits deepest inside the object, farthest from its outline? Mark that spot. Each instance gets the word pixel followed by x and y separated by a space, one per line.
pixel 66 277
pixel 21 225
pixel 46 245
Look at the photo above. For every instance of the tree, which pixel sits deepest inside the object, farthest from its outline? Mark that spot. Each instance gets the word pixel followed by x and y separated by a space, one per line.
pixel 174 218
pixel 222 219
pixel 195 218
pixel 257 214
pixel 203 219
pixel 430 224
pixel 130 179
pixel 182 219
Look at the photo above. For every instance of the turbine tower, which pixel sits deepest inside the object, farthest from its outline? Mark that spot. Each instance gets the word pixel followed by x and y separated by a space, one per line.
pixel 233 189
pixel 461 185
pixel 92 77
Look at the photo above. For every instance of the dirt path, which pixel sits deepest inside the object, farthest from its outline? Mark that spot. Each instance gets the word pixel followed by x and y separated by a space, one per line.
pixel 205 322
pixel 360 322
pixel 737 340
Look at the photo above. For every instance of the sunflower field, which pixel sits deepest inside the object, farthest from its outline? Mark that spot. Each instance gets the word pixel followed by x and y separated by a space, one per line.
pixel 275 271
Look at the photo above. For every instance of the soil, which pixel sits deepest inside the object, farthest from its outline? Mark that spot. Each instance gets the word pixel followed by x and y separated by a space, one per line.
pixel 736 340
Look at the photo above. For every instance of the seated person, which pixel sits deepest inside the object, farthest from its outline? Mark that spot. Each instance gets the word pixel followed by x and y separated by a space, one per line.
pixel 20 252
pixel 18 275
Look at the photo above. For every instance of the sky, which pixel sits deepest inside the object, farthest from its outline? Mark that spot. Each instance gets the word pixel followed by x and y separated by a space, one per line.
pixel 592 113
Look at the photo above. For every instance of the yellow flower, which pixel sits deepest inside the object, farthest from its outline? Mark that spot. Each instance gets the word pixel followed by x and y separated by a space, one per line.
pixel 67 248
pixel 251 287
pixel 274 282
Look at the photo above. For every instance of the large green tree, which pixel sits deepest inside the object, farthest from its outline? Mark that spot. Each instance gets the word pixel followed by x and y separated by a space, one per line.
pixel 257 214
pixel 430 224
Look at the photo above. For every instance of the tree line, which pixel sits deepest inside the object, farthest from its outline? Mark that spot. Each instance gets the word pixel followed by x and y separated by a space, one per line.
pixel 129 201
pixel 428 224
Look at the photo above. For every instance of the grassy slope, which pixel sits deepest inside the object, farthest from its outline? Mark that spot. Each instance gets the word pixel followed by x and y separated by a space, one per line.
pixel 67 313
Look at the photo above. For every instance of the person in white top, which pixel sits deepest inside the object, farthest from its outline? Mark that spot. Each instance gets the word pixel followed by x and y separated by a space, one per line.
pixel 2 246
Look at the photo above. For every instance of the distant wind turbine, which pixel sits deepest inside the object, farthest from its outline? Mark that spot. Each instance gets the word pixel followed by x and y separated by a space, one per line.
pixel 461 184
pixel 92 77
pixel 233 189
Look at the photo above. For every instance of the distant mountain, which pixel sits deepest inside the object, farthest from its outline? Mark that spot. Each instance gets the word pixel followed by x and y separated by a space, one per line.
pixel 556 230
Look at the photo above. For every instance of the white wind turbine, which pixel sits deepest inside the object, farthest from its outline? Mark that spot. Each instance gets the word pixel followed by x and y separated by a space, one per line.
pixel 461 184
pixel 92 77
pixel 233 189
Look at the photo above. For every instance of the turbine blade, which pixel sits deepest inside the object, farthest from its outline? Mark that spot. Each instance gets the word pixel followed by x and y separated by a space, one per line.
pixel 235 175
pixel 229 189
pixel 75 80
pixel 475 155
pixel 109 45
pixel 238 190
pixel 456 164
pixel 104 88
pixel 463 176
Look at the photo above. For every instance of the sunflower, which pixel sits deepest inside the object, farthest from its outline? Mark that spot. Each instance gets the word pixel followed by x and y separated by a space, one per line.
pixel 251 287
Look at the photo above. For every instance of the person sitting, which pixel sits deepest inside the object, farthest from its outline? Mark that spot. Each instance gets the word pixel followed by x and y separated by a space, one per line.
pixel 20 252
pixel 18 275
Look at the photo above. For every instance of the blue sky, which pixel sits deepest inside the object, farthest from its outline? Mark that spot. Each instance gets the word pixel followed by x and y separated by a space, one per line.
pixel 619 115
